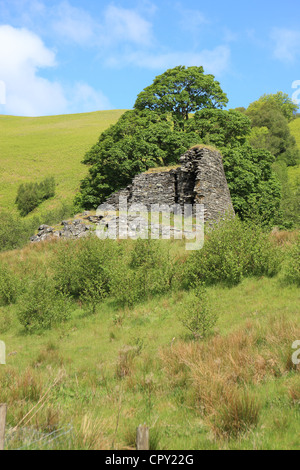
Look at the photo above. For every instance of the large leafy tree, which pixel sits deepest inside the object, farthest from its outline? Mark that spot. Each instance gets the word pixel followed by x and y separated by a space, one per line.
pixel 159 130
pixel 138 141
pixel 278 100
pixel 270 129
pixel 181 91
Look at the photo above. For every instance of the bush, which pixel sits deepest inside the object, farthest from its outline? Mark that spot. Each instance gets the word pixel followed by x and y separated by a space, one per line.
pixel 15 232
pixel 292 268
pixel 197 315
pixel 9 286
pixel 41 307
pixel 83 270
pixel 233 250
pixel 147 272
pixel 30 195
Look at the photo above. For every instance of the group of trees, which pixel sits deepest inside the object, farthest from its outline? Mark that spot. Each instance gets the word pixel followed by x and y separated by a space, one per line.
pixel 184 107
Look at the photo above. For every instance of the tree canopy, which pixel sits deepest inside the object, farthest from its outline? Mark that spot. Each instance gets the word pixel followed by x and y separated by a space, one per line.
pixel 278 100
pixel 271 131
pixel 181 91
pixel 138 141
pixel 160 129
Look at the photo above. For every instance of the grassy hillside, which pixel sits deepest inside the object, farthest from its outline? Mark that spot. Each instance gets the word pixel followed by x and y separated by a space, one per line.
pixel 33 148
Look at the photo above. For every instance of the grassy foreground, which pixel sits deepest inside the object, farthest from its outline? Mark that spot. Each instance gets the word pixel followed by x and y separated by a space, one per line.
pixel 91 381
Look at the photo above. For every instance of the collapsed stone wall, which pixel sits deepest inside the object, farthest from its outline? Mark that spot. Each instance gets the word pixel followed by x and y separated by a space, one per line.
pixel 200 179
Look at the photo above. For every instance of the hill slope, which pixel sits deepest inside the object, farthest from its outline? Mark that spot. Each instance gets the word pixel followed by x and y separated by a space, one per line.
pixel 33 148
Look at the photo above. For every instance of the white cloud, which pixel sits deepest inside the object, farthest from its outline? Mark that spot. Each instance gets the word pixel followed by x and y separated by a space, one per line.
pixel 122 25
pixel 214 61
pixel 84 97
pixel 22 55
pixel 73 24
pixel 286 44
pixel 118 26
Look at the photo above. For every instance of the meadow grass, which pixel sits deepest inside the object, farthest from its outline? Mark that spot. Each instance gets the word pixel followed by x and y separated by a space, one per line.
pixel 34 148
pixel 104 374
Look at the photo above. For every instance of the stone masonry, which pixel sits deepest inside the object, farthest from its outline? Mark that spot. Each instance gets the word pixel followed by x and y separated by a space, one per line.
pixel 199 179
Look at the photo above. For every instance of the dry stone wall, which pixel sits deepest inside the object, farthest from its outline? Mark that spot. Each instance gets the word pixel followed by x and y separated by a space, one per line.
pixel 200 179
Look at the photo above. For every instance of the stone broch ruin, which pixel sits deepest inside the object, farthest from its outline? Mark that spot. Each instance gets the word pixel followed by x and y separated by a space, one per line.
pixel 199 179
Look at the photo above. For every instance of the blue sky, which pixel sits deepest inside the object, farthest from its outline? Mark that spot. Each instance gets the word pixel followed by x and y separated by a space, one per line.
pixel 72 56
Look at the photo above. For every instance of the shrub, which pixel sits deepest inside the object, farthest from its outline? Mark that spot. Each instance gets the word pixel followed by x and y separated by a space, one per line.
pixel 233 250
pixel 9 286
pixel 15 232
pixel 41 307
pixel 196 315
pixel 30 195
pixel 147 272
pixel 83 270
pixel 292 268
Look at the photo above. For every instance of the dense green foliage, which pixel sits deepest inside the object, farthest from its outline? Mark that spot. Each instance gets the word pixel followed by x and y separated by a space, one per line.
pixel 270 116
pixel 90 270
pixel 16 231
pixel 271 131
pixel 182 91
pixel 278 100
pixel 138 141
pixel 148 272
pixel 255 189
pixel 160 129
pixel 31 195
pixel 41 306
pixel 233 250
pixel 289 214
pixel 220 128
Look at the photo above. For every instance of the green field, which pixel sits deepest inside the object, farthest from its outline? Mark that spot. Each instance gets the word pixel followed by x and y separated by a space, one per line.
pixel 33 148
